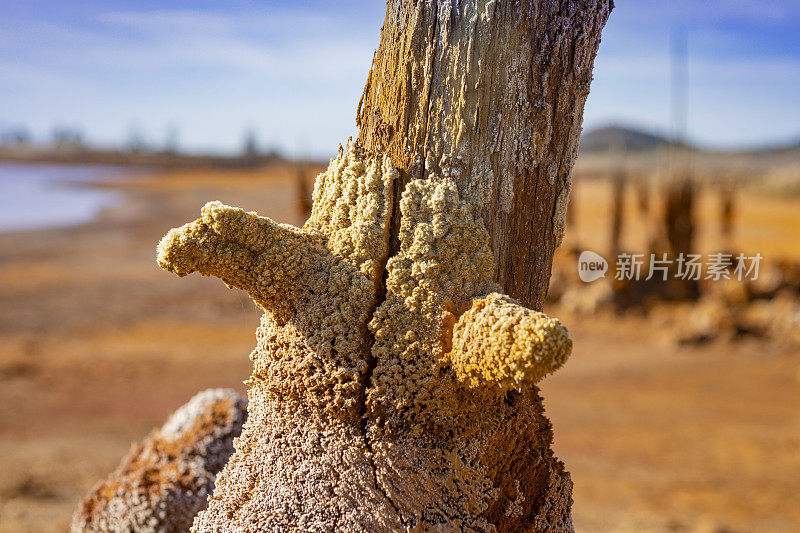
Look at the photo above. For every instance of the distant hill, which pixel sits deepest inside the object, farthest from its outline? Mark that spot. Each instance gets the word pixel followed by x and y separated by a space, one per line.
pixel 620 137
pixel 789 148
pixel 632 139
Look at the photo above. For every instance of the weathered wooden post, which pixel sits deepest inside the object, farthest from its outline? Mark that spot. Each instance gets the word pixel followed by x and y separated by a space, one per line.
pixel 393 386
pixel 617 213
pixel 679 216
pixel 679 225
pixel 490 93
pixel 727 214
pixel 303 191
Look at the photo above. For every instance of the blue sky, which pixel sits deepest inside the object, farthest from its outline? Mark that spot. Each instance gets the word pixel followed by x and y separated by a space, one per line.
pixel 293 71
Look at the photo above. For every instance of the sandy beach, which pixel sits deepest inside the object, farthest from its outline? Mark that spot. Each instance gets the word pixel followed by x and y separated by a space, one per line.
pixel 98 345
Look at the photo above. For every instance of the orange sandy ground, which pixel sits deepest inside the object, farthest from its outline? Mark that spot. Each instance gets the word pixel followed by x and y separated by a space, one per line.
pixel 98 345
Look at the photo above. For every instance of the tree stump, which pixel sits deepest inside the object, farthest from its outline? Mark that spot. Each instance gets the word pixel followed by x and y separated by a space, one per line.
pixel 679 227
pixel 166 479
pixel 393 386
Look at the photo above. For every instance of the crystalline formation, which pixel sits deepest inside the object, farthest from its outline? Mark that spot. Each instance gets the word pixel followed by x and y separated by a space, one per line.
pixel 388 393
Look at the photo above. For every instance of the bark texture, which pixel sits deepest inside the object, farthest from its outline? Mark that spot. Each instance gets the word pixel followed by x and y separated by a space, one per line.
pixel 490 93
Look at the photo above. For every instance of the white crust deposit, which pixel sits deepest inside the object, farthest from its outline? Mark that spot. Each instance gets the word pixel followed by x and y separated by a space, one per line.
pixel 165 480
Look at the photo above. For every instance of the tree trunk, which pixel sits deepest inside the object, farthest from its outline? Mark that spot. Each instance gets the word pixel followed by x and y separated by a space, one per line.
pixel 489 92
pixel 393 387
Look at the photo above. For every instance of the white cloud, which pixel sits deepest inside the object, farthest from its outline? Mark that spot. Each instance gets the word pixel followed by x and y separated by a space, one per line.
pixel 298 73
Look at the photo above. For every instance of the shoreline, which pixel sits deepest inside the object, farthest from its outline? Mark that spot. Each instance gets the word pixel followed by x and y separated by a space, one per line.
pixel 98 346
pixel 38 197
pixel 163 160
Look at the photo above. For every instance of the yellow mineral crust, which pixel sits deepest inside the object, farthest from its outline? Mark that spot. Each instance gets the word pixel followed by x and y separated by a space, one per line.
pixel 366 406
pixel 301 462
pixel 246 251
pixel 444 257
pixel 498 341
pixel 320 282
pixel 444 435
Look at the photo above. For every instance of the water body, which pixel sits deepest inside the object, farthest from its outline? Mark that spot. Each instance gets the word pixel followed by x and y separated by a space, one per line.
pixel 36 196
